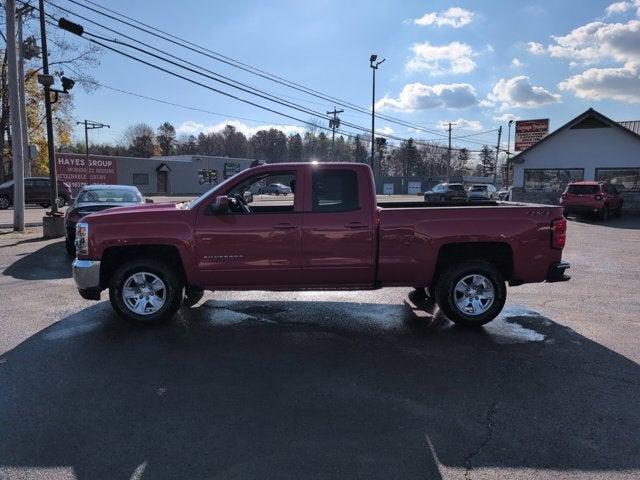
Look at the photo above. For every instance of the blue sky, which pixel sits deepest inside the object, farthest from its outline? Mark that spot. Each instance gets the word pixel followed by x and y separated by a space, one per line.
pixel 475 63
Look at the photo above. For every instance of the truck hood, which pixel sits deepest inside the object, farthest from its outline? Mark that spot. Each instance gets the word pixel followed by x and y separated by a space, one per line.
pixel 135 210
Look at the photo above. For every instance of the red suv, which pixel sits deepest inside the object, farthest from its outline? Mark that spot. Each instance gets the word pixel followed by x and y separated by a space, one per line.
pixel 591 198
pixel 36 190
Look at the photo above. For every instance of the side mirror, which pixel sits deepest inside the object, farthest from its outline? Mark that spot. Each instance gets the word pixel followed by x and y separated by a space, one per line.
pixel 220 206
pixel 247 196
pixel 148 200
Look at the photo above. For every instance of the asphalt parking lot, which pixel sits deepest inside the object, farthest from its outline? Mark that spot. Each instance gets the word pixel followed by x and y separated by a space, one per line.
pixel 373 384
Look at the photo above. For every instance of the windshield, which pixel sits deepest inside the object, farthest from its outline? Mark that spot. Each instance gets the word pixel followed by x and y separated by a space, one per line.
pixel 109 195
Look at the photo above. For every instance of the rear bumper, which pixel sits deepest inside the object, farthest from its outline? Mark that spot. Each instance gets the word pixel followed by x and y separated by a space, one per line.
pixel 556 272
pixel 86 274
pixel 582 209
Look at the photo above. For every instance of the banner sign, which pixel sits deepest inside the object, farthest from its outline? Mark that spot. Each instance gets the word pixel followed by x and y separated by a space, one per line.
pixel 530 132
pixel 72 168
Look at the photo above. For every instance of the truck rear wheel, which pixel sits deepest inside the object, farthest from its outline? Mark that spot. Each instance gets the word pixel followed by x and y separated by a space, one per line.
pixel 145 291
pixel 471 293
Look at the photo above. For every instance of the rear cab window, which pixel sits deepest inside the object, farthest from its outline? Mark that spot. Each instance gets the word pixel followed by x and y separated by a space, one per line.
pixel 583 189
pixel 334 190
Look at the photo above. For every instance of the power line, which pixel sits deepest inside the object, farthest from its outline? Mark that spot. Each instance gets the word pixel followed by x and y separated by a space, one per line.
pixel 237 64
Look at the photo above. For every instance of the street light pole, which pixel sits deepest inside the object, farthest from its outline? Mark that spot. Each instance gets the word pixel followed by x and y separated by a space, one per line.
pixel 374 66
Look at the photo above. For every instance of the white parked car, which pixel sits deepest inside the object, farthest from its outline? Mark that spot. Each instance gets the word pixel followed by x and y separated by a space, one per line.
pixel 483 192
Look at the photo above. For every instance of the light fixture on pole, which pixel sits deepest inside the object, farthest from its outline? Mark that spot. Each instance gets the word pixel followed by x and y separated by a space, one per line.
pixel 374 64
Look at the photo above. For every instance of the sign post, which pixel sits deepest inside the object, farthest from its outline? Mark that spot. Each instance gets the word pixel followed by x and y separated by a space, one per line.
pixel 530 132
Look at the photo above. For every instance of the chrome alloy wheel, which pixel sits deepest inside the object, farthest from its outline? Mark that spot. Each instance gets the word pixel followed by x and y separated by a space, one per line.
pixel 474 294
pixel 144 293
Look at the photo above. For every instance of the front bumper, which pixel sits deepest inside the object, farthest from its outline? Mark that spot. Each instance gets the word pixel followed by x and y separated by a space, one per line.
pixel 86 274
pixel 556 272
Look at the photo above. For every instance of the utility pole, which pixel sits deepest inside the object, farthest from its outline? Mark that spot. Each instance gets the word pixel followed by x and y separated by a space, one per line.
pixel 23 99
pixel 495 165
pixel 334 123
pixel 16 131
pixel 374 66
pixel 508 154
pixel 53 223
pixel 89 125
pixel 449 124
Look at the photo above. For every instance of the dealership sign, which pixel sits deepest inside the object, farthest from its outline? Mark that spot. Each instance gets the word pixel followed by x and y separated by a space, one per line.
pixel 530 132
pixel 73 169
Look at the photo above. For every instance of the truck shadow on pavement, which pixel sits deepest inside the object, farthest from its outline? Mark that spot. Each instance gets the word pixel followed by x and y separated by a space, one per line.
pixel 314 389
pixel 50 262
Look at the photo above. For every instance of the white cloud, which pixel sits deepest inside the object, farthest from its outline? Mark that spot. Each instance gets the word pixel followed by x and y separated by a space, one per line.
pixel 418 96
pixel 535 48
pixel 386 130
pixel 471 125
pixel 193 128
pixel 618 8
pixel 520 92
pixel 455 17
pixel 516 63
pixel 622 84
pixel 506 117
pixel 599 42
pixel 454 57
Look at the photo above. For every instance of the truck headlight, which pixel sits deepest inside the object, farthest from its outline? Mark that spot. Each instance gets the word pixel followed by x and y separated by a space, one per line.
pixel 82 238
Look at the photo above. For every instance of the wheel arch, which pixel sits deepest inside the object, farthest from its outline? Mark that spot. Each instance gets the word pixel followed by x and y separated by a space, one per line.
pixel 499 254
pixel 113 257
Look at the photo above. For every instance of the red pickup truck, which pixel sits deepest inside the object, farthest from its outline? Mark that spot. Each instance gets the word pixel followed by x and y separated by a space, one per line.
pixel 329 233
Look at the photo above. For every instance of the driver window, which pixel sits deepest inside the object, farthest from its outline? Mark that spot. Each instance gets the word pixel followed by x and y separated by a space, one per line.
pixel 272 192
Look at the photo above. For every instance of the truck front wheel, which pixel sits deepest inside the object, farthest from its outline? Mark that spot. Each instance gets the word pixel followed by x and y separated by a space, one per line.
pixel 471 293
pixel 145 291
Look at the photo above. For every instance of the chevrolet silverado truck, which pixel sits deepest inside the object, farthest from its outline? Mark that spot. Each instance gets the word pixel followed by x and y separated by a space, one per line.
pixel 329 234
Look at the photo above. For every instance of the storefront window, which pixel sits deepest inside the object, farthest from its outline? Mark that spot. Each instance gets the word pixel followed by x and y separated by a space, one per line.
pixel 551 179
pixel 622 178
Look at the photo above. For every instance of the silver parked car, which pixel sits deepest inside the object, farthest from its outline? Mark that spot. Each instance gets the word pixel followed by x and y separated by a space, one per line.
pixel 277 189
pixel 483 192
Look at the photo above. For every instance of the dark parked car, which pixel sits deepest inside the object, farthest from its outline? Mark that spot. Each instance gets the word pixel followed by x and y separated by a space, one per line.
pixel 95 198
pixel 446 192
pixel 591 198
pixel 36 191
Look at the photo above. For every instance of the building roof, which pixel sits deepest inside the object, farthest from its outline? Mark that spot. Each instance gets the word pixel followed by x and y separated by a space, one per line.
pixel 633 125
pixel 590 114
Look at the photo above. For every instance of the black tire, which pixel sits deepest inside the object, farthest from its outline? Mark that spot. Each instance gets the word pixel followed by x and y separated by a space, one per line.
pixel 618 212
pixel 5 202
pixel 172 295
pixel 192 295
pixel 604 216
pixel 70 246
pixel 445 288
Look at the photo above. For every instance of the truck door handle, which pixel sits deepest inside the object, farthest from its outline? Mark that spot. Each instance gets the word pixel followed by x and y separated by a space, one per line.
pixel 355 225
pixel 284 226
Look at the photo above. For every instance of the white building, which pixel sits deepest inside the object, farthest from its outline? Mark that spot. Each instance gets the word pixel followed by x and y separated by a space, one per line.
pixel 589 147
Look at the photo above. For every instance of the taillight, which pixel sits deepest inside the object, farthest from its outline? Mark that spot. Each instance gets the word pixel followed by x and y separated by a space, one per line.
pixel 598 197
pixel 558 233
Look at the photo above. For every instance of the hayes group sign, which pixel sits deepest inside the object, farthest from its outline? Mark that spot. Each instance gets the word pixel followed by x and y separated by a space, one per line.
pixel 530 132
pixel 72 168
